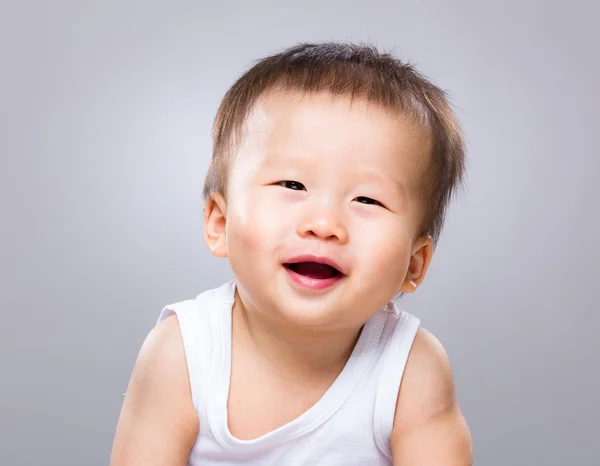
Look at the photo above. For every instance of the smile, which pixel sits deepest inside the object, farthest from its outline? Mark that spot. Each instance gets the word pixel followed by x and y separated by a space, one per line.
pixel 313 273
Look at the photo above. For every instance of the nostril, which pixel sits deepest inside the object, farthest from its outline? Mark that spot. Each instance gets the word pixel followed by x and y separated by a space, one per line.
pixel 323 228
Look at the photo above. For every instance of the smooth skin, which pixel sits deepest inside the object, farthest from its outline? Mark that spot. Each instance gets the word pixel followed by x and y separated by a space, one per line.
pixel 321 175
pixel 158 424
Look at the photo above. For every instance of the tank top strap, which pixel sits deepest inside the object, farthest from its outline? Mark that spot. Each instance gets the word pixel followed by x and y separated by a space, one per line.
pixel 201 323
pixel 394 358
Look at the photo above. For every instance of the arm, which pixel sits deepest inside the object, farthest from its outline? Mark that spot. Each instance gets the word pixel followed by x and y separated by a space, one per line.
pixel 429 428
pixel 158 424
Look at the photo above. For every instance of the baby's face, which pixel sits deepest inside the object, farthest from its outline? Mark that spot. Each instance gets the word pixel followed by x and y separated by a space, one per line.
pixel 323 207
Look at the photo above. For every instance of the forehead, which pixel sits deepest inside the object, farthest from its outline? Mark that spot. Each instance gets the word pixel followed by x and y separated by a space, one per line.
pixel 286 125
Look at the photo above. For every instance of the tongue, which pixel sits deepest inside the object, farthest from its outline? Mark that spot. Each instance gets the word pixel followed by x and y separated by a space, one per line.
pixel 313 270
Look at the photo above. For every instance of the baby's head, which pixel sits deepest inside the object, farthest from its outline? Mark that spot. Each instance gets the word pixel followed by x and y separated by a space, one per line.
pixel 333 166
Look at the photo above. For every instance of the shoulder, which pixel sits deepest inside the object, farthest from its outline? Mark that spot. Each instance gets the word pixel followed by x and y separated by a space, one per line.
pixel 162 354
pixel 426 406
pixel 160 374
pixel 427 385
pixel 157 418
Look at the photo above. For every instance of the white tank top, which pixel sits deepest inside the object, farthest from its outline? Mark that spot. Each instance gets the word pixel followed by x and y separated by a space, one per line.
pixel 350 425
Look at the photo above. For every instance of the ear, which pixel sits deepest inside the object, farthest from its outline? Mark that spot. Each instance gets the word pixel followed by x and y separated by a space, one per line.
pixel 418 265
pixel 215 219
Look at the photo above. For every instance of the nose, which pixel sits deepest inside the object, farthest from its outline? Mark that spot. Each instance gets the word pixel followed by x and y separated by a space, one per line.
pixel 325 224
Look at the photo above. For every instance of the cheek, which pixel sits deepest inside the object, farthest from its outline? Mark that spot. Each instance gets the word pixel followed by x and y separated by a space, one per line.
pixel 251 228
pixel 384 250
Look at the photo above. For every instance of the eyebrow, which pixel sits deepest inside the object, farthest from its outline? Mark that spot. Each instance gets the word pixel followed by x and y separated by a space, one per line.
pixel 279 159
pixel 379 178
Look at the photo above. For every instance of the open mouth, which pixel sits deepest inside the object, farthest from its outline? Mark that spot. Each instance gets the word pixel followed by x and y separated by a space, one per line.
pixel 313 273
pixel 314 270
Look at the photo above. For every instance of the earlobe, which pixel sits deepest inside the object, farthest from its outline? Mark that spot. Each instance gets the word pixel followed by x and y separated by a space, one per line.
pixel 215 224
pixel 418 265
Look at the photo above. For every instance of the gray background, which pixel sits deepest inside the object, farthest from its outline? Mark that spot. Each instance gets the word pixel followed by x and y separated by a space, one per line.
pixel 105 116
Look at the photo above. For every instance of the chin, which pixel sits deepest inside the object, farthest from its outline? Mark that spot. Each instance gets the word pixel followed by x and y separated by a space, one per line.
pixel 308 315
pixel 310 306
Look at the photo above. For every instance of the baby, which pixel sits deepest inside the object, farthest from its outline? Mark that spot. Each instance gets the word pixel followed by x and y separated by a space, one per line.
pixel 333 166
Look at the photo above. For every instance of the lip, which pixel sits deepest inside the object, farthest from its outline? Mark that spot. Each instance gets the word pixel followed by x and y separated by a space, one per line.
pixel 318 260
pixel 313 284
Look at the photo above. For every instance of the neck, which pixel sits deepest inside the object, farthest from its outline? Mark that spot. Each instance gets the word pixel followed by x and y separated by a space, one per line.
pixel 302 353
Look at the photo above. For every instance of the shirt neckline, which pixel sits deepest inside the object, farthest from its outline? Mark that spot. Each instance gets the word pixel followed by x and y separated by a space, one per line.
pixel 331 401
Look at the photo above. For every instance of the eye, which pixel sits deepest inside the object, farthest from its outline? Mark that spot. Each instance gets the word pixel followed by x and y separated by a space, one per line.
pixel 296 186
pixel 368 201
